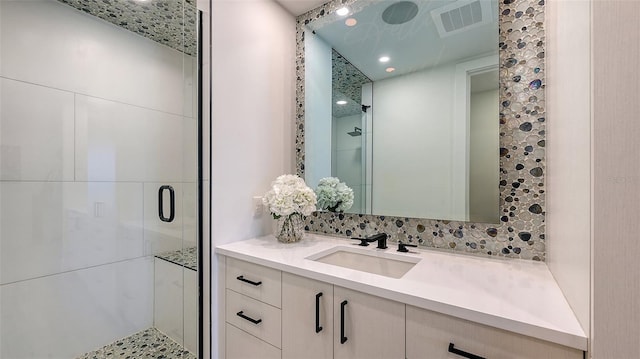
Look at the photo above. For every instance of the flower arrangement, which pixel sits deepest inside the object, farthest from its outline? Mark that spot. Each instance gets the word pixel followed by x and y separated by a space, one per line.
pixel 288 195
pixel 288 200
pixel 334 195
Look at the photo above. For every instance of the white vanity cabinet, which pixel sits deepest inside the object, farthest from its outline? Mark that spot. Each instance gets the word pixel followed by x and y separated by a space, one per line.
pixel 276 314
pixel 320 320
pixel 253 314
pixel 429 335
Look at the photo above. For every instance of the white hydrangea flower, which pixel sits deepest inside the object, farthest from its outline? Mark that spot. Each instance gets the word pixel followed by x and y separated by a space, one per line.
pixel 288 195
pixel 334 195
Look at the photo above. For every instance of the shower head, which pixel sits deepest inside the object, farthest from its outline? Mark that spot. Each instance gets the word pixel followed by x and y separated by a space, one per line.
pixel 356 132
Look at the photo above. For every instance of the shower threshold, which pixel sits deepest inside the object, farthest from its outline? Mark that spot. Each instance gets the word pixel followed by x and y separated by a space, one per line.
pixel 148 344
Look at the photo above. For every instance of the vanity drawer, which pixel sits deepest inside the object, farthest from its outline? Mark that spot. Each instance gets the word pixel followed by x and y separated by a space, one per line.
pixel 429 335
pixel 242 312
pixel 242 345
pixel 255 281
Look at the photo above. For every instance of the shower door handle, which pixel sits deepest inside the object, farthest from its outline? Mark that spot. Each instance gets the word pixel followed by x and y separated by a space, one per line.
pixel 172 204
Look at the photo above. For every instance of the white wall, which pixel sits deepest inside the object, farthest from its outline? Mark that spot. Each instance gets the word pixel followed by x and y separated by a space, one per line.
pixel 484 196
pixel 318 106
pixel 569 149
pixel 88 131
pixel 252 122
pixel 592 217
pixel 413 150
pixel 616 179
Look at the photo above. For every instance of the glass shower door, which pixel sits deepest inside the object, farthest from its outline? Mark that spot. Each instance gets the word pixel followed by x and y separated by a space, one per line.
pixel 98 178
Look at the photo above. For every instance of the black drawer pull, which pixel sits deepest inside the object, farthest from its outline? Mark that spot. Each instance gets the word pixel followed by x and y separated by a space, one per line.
pixel 254 321
pixel 241 278
pixel 463 353
pixel 343 339
pixel 318 327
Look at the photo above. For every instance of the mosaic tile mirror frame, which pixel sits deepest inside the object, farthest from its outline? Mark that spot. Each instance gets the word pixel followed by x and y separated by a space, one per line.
pixel 521 232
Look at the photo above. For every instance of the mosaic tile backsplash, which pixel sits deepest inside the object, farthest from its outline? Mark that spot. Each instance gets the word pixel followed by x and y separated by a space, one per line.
pixel 168 22
pixel 521 232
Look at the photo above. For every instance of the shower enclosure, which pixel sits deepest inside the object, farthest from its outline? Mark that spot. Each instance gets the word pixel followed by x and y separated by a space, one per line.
pixel 101 179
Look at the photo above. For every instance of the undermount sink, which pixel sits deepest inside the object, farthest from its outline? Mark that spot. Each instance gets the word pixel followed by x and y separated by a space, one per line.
pixel 367 260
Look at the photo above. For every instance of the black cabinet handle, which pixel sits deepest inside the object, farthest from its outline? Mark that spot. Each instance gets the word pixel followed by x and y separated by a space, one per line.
pixel 172 202
pixel 318 327
pixel 254 321
pixel 402 247
pixel 241 278
pixel 463 353
pixel 343 339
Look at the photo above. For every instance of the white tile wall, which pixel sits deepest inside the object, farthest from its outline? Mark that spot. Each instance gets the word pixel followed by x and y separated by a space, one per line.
pixel 168 299
pixel 176 303
pixel 349 166
pixel 190 310
pixel 84 62
pixel 65 315
pixel 189 214
pixel 118 142
pixel 52 227
pixel 348 157
pixel 36 137
pixel 90 112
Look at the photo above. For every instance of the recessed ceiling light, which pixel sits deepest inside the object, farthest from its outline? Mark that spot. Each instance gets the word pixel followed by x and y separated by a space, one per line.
pixel 390 69
pixel 351 22
pixel 384 59
pixel 342 11
pixel 341 102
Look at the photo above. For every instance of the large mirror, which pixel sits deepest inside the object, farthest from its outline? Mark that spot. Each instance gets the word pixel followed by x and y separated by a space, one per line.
pixel 401 104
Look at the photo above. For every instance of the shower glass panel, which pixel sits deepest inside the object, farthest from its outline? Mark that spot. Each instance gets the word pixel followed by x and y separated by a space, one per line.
pixel 99 193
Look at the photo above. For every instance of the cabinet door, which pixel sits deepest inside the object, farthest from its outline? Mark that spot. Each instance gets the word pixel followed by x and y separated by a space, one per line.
pixel 366 326
pixel 305 334
pixel 429 335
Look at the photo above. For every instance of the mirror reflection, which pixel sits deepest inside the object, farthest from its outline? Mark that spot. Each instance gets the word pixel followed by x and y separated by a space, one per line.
pixel 401 104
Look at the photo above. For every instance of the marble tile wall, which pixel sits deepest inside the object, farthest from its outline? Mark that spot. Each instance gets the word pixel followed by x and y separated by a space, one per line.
pixel 521 231
pixel 78 189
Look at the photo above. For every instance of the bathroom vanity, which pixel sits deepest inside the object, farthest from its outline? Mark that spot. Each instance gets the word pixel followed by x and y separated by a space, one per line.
pixel 320 298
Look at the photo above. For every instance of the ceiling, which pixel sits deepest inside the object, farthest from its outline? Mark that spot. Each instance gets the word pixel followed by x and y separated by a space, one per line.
pixel 412 46
pixel 299 7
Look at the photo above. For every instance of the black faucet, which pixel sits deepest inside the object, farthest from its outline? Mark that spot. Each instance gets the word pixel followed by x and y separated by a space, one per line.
pixel 380 237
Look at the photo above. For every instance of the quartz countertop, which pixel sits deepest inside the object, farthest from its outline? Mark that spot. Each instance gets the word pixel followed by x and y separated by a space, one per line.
pixel 515 295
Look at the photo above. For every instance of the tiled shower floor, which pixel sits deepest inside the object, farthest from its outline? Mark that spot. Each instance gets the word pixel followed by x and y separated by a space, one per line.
pixel 147 344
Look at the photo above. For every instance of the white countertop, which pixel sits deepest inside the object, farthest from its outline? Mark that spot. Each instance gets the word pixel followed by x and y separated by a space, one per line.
pixel 515 295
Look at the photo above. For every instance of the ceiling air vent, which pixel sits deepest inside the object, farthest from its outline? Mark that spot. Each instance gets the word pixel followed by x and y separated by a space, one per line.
pixel 461 15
